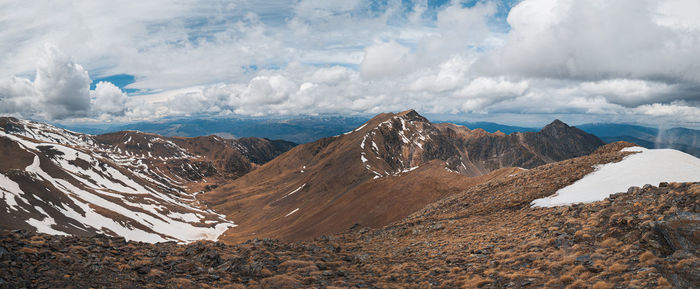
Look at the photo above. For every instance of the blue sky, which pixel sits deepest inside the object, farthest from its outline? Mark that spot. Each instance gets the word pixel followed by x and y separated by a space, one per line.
pixel 507 61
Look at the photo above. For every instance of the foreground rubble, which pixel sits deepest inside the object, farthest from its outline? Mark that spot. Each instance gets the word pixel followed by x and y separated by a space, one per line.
pixel 645 238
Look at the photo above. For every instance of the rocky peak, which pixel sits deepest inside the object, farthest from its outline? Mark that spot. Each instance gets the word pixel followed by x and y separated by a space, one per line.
pixel 10 124
pixel 558 128
pixel 556 124
pixel 412 115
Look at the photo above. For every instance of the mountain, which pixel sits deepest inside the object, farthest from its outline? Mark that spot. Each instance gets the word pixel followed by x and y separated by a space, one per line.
pixel 683 139
pixel 299 130
pixel 380 172
pixel 493 127
pixel 131 184
pixel 485 236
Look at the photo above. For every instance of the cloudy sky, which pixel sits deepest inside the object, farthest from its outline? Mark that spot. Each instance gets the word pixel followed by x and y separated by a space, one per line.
pixel 510 61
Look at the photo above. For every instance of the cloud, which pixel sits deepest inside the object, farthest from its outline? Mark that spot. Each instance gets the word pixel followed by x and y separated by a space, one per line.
pixel 623 60
pixel 386 60
pixel 484 92
pixel 595 40
pixel 673 111
pixel 19 97
pixel 60 90
pixel 63 85
pixel 108 99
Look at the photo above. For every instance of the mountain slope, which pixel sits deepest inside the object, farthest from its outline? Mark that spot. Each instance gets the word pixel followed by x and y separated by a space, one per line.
pixel 329 185
pixel 139 186
pixel 487 236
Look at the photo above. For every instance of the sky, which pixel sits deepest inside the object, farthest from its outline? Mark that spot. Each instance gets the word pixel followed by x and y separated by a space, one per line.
pixel 509 61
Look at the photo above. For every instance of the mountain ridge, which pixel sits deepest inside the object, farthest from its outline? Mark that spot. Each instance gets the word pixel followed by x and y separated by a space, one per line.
pixel 305 184
pixel 132 184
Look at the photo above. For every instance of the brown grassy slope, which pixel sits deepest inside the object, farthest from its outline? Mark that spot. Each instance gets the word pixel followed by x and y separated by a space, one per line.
pixel 372 204
pixel 337 174
pixel 646 238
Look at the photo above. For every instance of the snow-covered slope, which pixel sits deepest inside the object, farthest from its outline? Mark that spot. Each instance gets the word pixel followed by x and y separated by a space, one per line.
pixel 645 166
pixel 66 190
pixel 131 184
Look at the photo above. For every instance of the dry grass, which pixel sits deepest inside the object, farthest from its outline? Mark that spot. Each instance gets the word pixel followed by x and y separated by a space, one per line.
pixel 610 242
pixel 602 285
pixel 476 281
pixel 647 258
pixel 578 284
pixel 617 267
pixel 663 282
pixel 289 264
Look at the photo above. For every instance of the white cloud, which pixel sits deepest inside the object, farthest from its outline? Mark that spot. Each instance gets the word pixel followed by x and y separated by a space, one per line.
pixel 594 40
pixel 609 59
pixel 63 85
pixel 674 111
pixel 386 60
pixel 60 90
pixel 628 92
pixel 109 99
pixel 484 92
pixel 19 97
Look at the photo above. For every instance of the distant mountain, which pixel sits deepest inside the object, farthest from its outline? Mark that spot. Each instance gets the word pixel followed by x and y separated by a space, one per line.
pixel 136 185
pixel 493 127
pixel 683 139
pixel 378 173
pixel 298 130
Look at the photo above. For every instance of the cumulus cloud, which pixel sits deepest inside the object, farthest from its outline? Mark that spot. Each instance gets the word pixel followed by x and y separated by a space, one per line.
pixel 675 110
pixel 108 99
pixel 63 85
pixel 386 60
pixel 595 40
pixel 620 60
pixel 484 92
pixel 60 90
pixel 19 97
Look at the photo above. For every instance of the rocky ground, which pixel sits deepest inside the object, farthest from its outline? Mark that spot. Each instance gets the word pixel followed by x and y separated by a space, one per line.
pixel 648 237
pixel 487 236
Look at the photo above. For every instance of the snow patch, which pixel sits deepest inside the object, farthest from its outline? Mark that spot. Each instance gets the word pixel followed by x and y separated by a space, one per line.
pixel 298 189
pixel 10 191
pixel 292 212
pixel 648 166
pixel 357 129
pixel 44 225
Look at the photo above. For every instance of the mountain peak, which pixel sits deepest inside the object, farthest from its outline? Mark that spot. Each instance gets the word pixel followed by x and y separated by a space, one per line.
pixel 556 127
pixel 407 115
pixel 557 123
pixel 411 114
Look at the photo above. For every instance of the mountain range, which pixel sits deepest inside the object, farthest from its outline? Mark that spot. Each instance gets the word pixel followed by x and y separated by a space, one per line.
pixel 683 139
pixel 298 130
pixel 397 201
pixel 387 168
pixel 131 184
pixel 311 128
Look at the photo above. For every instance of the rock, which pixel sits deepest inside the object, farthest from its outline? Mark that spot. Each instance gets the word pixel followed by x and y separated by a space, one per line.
pixel 680 231
pixel 583 259
pixel 280 281
pixel 143 269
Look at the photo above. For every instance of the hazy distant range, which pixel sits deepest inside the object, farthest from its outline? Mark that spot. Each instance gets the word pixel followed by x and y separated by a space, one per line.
pixel 306 129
